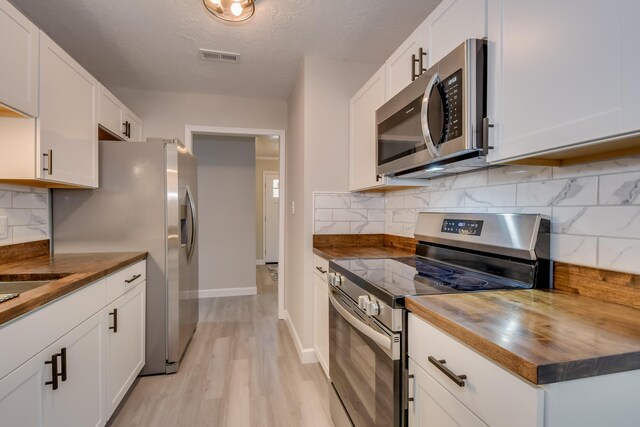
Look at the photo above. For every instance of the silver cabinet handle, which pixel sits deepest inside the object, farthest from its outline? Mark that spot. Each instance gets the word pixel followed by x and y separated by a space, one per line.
pixel 49 156
pixel 440 364
pixel 382 340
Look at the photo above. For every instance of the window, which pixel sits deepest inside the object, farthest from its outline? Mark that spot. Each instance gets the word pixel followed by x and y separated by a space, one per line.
pixel 276 188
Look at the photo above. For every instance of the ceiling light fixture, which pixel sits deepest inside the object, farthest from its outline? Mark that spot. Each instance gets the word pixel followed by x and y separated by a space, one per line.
pixel 231 10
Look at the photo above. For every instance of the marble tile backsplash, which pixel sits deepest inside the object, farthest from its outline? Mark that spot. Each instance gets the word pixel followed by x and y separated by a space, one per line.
pixel 26 212
pixel 594 208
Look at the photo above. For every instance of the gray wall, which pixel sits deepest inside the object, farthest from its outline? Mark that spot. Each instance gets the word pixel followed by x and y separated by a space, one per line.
pixel 227 206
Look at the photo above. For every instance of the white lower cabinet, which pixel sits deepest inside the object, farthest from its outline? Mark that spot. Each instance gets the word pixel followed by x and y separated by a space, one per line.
pixel 62 385
pixel 125 343
pixel 434 406
pixel 321 312
pixel 80 377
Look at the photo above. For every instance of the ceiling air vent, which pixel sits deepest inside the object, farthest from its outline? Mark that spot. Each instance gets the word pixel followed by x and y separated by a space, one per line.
pixel 218 56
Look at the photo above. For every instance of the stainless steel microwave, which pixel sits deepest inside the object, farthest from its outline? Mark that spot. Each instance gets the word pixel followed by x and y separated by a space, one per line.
pixel 437 125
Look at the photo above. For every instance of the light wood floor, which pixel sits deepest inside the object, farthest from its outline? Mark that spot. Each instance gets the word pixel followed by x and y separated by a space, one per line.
pixel 241 369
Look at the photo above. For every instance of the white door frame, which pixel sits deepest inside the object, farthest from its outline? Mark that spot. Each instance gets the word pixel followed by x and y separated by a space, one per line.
pixel 189 130
pixel 264 213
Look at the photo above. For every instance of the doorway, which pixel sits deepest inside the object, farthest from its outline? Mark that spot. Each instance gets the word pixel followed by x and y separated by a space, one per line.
pixel 279 135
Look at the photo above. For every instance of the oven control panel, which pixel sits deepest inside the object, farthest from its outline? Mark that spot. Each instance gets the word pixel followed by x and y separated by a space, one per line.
pixel 468 227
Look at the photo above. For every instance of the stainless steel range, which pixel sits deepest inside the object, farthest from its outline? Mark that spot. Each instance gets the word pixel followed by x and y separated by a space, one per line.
pixel 367 321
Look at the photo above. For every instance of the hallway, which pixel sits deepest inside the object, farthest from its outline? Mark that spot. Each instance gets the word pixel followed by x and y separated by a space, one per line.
pixel 241 369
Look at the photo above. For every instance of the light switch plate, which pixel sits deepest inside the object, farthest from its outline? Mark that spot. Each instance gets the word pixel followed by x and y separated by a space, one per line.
pixel 3 227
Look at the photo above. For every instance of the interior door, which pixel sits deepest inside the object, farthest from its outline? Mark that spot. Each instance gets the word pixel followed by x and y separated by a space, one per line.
pixel 271 215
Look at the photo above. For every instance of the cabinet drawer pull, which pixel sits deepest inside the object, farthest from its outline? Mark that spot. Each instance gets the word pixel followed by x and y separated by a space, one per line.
pixel 133 278
pixel 321 270
pixel 49 156
pixel 458 379
pixel 54 368
pixel 114 328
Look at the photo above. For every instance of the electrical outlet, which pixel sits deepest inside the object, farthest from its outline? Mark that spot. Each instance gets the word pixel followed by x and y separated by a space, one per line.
pixel 3 227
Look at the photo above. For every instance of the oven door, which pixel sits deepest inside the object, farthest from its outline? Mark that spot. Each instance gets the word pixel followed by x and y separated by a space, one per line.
pixel 364 364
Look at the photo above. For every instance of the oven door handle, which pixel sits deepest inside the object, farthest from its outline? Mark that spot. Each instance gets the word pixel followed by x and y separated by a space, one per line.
pixel 379 338
pixel 424 117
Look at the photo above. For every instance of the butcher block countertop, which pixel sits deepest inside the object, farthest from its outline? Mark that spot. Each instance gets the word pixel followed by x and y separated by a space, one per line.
pixel 360 252
pixel 336 246
pixel 542 336
pixel 67 273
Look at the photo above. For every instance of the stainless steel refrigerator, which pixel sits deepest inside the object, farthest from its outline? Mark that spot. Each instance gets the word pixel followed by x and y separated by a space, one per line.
pixel 146 202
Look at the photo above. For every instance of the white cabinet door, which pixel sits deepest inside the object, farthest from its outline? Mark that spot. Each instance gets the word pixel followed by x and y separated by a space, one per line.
pixel 21 393
pixel 68 120
pixel 79 400
pixel 362 141
pixel 452 22
pixel 19 40
pixel 134 132
pixel 111 115
pixel 434 406
pixel 321 321
pixel 125 321
pixel 400 67
pixel 563 73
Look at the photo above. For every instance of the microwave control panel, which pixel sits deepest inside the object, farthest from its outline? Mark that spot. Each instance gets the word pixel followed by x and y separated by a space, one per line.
pixel 451 90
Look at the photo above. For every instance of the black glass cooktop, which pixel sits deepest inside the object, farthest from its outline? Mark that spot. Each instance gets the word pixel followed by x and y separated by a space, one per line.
pixel 399 277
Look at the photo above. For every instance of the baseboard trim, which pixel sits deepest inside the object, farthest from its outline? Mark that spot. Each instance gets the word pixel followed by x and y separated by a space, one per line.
pixel 227 292
pixel 260 262
pixel 306 355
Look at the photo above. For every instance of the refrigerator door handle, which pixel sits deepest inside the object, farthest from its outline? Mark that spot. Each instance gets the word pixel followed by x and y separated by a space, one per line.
pixel 194 225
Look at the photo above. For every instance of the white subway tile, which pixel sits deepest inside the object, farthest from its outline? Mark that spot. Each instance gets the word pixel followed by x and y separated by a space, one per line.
pixel 574 249
pixel 542 210
pixel 447 199
pixel 350 215
pixel 368 201
pixel 519 173
pixel 332 201
pixel 38 216
pixel 323 215
pixel 16 216
pixel 408 230
pixel 29 233
pixel 8 239
pixel 436 184
pixel 604 221
pixel 562 192
pixel 375 215
pixel 404 215
pixel 418 200
pixel 332 228
pixel 393 228
pixel 502 195
pixel 5 199
pixel 620 189
pixel 619 254
pixel 394 202
pixel 366 227
pixel 467 180
pixel 467 210
pixel 29 200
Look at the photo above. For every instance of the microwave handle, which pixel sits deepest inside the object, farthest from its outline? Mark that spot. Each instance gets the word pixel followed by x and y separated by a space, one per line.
pixel 426 133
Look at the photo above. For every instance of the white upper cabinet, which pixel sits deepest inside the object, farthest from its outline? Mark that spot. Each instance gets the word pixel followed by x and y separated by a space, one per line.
pixel 400 68
pixel 117 120
pixel 362 148
pixel 19 57
pixel 67 136
pixel 452 22
pixel 561 73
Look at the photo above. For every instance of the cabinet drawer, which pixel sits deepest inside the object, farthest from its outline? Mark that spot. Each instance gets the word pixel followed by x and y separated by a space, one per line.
pixel 126 279
pixel 320 267
pixel 492 393
pixel 27 335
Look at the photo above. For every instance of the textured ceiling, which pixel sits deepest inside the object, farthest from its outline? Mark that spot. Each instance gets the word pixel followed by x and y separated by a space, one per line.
pixel 153 44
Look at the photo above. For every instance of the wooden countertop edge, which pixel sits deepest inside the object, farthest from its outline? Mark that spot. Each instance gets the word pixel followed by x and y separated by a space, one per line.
pixel 532 372
pixel 36 298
